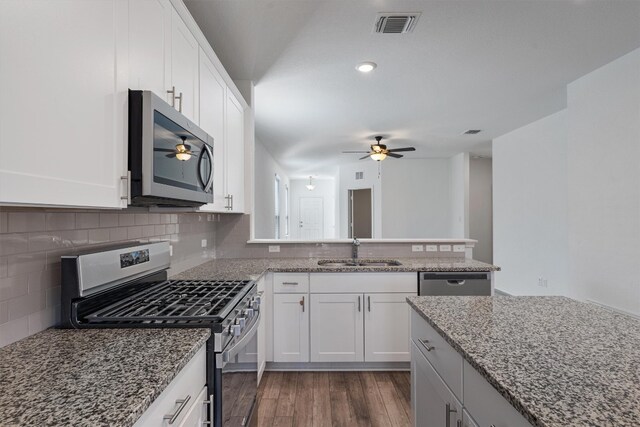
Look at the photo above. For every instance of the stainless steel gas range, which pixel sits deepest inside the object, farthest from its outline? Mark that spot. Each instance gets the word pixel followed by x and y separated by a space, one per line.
pixel 126 287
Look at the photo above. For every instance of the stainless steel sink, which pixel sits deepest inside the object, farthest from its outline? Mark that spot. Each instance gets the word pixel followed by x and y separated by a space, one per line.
pixel 358 263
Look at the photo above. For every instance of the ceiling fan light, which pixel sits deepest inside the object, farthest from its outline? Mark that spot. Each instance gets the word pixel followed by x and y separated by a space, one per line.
pixel 378 156
pixel 183 156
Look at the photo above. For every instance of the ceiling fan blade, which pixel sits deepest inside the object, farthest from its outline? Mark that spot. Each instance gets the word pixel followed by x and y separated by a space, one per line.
pixel 364 157
pixel 359 152
pixel 171 156
pixel 164 150
pixel 395 150
pixel 395 156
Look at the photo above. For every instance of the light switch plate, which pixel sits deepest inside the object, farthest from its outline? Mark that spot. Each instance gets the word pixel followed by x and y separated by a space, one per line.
pixel 432 248
pixel 445 248
pixel 417 248
pixel 203 243
pixel 274 248
pixel 170 250
pixel 458 248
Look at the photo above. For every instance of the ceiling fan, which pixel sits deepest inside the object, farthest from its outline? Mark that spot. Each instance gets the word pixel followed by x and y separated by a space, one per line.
pixel 181 152
pixel 379 152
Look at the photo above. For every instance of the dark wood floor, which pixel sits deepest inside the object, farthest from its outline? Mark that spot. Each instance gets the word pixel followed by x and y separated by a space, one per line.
pixel 334 399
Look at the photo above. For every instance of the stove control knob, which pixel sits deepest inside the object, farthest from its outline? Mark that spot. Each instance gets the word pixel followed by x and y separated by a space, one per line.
pixel 248 312
pixel 257 299
pixel 235 330
pixel 241 321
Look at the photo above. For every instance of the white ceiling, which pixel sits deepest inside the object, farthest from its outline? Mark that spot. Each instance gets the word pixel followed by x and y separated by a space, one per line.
pixel 493 65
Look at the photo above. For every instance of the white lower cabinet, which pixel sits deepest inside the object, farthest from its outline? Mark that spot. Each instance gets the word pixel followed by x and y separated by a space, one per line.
pixel 386 332
pixel 337 326
pixel 262 328
pixel 183 402
pixel 439 377
pixel 290 328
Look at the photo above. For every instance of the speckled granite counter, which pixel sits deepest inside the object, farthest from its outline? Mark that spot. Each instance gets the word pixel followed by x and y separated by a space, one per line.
pixel 241 269
pixel 98 377
pixel 558 361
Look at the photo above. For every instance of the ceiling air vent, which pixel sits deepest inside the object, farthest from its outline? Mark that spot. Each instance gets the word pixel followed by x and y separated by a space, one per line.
pixel 359 175
pixel 395 23
pixel 472 132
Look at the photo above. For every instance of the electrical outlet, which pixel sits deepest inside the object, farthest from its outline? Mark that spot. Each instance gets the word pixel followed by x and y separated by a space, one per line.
pixel 274 248
pixel 170 250
pixel 417 248
pixel 543 282
pixel 432 248
pixel 203 243
pixel 458 248
pixel 445 248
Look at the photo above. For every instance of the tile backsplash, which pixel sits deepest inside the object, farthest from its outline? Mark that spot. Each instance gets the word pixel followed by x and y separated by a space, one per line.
pixel 32 241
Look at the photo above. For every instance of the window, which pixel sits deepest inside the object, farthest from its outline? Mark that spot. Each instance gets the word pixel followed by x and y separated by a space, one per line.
pixel 286 210
pixel 277 207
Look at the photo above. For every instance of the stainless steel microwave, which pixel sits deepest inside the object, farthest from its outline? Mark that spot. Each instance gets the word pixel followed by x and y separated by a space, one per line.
pixel 170 157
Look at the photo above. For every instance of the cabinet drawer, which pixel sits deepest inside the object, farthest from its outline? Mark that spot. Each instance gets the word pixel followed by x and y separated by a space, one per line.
pixel 291 283
pixel 486 405
pixel 197 413
pixel 187 384
pixel 331 283
pixel 446 361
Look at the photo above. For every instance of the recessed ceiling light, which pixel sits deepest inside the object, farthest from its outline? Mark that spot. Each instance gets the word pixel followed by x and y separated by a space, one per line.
pixel 366 67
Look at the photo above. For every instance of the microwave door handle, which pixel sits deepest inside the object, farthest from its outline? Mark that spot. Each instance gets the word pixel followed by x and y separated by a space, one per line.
pixel 206 186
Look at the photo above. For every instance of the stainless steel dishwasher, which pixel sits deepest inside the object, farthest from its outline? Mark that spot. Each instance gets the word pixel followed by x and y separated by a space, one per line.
pixel 455 283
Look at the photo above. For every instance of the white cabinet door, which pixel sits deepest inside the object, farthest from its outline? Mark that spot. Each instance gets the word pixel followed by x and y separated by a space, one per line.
pixel 64 93
pixel 212 104
pixel 262 329
pixel 150 46
pixel 432 402
pixel 196 415
pixel 337 328
pixel 234 133
pixel 386 319
pixel 184 67
pixel 290 328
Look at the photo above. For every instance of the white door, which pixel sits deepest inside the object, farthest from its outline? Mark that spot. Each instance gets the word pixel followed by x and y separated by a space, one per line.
pixel 150 46
pixel 431 401
pixel 212 103
pixel 311 218
pixel 386 320
pixel 235 153
pixel 64 102
pixel 290 328
pixel 184 67
pixel 337 328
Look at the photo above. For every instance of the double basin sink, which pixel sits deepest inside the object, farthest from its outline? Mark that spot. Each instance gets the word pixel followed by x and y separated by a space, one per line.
pixel 358 263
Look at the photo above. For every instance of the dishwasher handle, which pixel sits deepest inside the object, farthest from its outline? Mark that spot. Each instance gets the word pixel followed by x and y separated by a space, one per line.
pixel 451 282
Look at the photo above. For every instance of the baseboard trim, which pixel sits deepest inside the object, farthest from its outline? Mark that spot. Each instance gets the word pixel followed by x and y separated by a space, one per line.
pixel 338 366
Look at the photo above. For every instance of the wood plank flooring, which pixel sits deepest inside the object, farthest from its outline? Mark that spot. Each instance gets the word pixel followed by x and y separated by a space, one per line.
pixel 334 399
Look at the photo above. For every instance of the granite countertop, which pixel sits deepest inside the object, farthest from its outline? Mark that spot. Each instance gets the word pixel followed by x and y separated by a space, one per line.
pixel 92 377
pixel 558 361
pixel 252 269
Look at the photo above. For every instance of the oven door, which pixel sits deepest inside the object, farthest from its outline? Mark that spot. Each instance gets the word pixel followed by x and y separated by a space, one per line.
pixel 238 369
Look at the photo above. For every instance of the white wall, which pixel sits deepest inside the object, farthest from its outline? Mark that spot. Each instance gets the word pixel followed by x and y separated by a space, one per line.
pixel 530 208
pixel 347 181
pixel 326 190
pixel 459 188
pixel 264 196
pixel 416 198
pixel 481 209
pixel 604 184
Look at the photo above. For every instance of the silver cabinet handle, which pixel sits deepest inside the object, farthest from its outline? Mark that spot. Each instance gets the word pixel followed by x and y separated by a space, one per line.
pixel 232 202
pixel 369 303
pixel 290 283
pixel 425 344
pixel 172 92
pixel 359 303
pixel 448 414
pixel 183 403
pixel 459 423
pixel 211 411
pixel 302 303
pixel 179 97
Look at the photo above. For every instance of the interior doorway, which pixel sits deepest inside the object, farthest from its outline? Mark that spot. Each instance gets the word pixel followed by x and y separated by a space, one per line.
pixel 311 218
pixel 360 213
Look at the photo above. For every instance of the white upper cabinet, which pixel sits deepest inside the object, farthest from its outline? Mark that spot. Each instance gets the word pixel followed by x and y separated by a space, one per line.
pixel 150 46
pixel 184 68
pixel 235 153
pixel 213 91
pixel 63 105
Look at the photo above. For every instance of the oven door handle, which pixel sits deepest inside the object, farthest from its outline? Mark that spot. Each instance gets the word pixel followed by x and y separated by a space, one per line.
pixel 233 351
pixel 206 186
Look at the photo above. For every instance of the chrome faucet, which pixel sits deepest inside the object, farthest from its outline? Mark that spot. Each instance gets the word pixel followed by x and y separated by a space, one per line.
pixel 354 247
